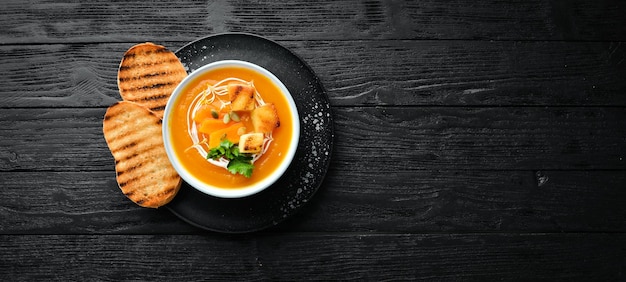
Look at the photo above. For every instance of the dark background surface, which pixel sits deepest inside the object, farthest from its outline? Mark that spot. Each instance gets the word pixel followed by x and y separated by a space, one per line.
pixel 473 141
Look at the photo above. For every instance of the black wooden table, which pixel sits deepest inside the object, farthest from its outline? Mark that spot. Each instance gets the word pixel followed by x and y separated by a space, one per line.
pixel 474 140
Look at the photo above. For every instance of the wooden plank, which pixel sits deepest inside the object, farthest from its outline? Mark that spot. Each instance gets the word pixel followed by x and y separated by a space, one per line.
pixel 469 72
pixel 355 73
pixel 79 203
pixel 155 257
pixel 352 199
pixel 293 257
pixel 60 75
pixel 95 21
pixel 388 139
pixel 365 199
pixel 53 139
pixel 507 138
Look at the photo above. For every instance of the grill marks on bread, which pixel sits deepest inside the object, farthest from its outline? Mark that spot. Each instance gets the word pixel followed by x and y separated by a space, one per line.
pixel 143 171
pixel 148 75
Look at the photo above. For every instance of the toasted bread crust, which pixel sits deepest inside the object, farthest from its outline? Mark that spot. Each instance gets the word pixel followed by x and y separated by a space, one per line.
pixel 265 118
pixel 148 74
pixel 143 170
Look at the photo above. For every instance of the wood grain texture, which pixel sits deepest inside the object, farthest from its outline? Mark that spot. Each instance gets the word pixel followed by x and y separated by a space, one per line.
pixel 315 257
pixel 474 141
pixel 124 21
pixel 79 203
pixel 358 199
pixel 481 138
pixel 366 73
pixel 509 138
pixel 350 200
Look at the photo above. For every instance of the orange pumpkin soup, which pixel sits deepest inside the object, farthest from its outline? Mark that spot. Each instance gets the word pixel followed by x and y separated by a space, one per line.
pixel 213 121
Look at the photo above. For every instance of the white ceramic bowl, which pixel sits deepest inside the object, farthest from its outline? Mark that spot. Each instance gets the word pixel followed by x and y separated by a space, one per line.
pixel 230 192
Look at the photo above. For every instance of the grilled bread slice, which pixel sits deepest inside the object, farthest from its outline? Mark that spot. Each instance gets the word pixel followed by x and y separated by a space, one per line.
pixel 143 170
pixel 148 75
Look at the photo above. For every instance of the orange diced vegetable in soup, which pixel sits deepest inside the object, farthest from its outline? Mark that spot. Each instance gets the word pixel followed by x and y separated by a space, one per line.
pixel 230 133
pixel 211 125
pixel 204 112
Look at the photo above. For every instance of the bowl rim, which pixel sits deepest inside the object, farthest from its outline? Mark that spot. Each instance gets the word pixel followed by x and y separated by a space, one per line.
pixel 231 192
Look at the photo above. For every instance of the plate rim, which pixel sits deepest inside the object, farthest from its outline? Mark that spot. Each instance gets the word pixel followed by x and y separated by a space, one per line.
pixel 330 141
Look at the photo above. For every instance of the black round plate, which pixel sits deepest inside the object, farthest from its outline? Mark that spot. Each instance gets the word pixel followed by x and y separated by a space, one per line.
pixel 306 172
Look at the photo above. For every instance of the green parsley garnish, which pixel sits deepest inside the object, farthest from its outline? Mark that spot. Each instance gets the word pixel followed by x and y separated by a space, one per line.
pixel 238 163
